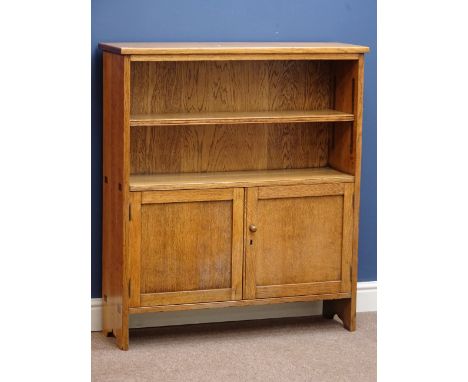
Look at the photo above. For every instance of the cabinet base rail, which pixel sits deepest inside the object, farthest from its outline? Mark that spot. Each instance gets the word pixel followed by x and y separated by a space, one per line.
pixel 227 304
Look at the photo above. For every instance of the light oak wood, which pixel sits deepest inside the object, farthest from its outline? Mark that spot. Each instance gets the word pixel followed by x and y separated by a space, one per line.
pixel 116 166
pixel 178 196
pixel 240 48
pixel 251 217
pixel 300 191
pixel 199 255
pixel 244 302
pixel 346 97
pixel 231 86
pixel 134 249
pixel 300 289
pixel 346 308
pixel 347 247
pixel 237 179
pixel 245 57
pixel 341 153
pixel 181 149
pixel 237 257
pixel 231 177
pixel 186 297
pixel 214 118
pixel 302 242
pixel 191 246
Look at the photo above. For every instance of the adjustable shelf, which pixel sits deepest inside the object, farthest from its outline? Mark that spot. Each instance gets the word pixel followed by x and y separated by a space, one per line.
pixel 237 179
pixel 211 118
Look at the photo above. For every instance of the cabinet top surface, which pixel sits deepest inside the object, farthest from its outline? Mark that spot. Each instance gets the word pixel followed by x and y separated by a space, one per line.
pixel 230 47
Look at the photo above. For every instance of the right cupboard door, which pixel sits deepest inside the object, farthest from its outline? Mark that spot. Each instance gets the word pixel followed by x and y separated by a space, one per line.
pixel 298 240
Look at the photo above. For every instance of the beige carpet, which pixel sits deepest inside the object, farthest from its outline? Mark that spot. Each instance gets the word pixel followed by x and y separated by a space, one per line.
pixel 292 349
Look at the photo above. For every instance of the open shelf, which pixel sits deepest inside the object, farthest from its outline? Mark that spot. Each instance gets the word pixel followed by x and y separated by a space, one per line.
pixel 237 179
pixel 210 118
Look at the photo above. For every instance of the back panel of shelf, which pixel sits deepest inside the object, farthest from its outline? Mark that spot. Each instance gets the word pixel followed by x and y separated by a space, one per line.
pixel 229 86
pixel 189 88
pixel 173 149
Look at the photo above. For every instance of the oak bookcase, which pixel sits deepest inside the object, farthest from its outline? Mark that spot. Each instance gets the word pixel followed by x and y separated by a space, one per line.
pixel 231 175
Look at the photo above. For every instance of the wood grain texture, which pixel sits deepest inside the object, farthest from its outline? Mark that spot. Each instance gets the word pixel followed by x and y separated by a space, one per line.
pixel 245 57
pixel 299 239
pixel 186 297
pixel 347 247
pixel 191 246
pixel 187 196
pixel 237 179
pixel 237 261
pixel 300 289
pixel 342 150
pixel 251 217
pixel 186 246
pixel 240 48
pixel 239 117
pixel 341 153
pixel 283 120
pixel 245 302
pixel 346 308
pixel 350 323
pixel 182 149
pixel 300 191
pixel 231 86
pixel 116 163
pixel 134 249
pixel 298 247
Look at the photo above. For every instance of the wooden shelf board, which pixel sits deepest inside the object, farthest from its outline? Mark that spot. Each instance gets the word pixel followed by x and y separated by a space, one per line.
pixel 237 179
pixel 326 115
pixel 231 47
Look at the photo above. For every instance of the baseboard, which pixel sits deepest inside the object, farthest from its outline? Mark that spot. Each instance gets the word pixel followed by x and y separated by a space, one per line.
pixel 366 302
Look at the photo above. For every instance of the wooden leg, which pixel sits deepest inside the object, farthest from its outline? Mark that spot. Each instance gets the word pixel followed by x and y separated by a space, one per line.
pixel 115 323
pixel 122 338
pixel 345 309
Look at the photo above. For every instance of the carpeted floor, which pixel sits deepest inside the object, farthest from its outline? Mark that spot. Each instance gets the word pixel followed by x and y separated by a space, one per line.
pixel 292 349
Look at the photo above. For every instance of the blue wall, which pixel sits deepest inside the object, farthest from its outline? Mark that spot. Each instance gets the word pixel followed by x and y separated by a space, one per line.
pixel 241 20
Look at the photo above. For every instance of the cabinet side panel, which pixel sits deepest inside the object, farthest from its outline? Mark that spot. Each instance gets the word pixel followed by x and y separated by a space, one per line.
pixel 115 190
pixel 346 308
pixel 342 152
pixel 357 171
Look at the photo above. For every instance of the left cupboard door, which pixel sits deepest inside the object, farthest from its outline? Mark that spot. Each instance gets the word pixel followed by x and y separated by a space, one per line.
pixel 185 246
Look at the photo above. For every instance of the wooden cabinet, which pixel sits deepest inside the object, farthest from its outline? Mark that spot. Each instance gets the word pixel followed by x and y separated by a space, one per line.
pixel 299 240
pixel 188 246
pixel 231 177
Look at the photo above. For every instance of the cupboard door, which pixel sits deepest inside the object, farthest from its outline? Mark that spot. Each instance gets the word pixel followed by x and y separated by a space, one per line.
pixel 186 246
pixel 298 240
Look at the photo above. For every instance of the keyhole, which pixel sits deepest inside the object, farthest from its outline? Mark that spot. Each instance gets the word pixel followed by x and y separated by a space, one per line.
pixel 251 242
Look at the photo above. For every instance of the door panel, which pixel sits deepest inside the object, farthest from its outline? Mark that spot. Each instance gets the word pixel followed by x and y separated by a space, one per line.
pixel 302 242
pixel 312 229
pixel 191 246
pixel 185 260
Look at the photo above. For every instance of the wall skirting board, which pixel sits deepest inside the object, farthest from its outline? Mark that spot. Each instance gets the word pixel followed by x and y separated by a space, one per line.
pixel 366 302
